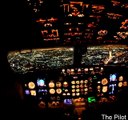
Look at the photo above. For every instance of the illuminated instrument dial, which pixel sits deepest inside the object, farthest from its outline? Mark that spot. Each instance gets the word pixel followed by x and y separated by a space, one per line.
pixel 79 70
pixel 121 78
pixel 33 92
pixel 86 89
pixel 73 94
pixel 81 81
pixel 102 69
pixel 73 86
pixel 77 94
pixel 77 82
pixel 81 86
pixel 58 91
pixel 72 71
pixel 73 82
pixel 52 91
pixel 90 69
pixel 77 90
pixel 120 84
pixel 86 69
pixel 66 90
pixel 86 81
pixel 65 84
pixel 58 84
pixel 31 85
pixel 77 86
pixel 73 90
pixel 98 87
pixel 105 89
pixel 63 70
pixel 125 84
pixel 64 94
pixel 51 84
pixel 104 81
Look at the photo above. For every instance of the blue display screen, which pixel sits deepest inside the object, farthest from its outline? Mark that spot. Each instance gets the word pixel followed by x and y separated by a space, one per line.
pixel 113 77
pixel 27 92
pixel 41 82
pixel 112 88
pixel 68 101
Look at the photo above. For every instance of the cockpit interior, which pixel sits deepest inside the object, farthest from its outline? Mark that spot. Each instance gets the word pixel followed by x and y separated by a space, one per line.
pixel 72 61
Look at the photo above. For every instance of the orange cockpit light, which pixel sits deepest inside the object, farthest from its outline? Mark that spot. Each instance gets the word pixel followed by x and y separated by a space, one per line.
pixel 31 85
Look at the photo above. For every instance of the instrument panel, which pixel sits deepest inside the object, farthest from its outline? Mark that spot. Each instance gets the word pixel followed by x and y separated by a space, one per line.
pixel 76 86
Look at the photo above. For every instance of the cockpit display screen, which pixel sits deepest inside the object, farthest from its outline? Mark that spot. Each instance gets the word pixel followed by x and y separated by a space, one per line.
pixel 68 101
pixel 40 82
